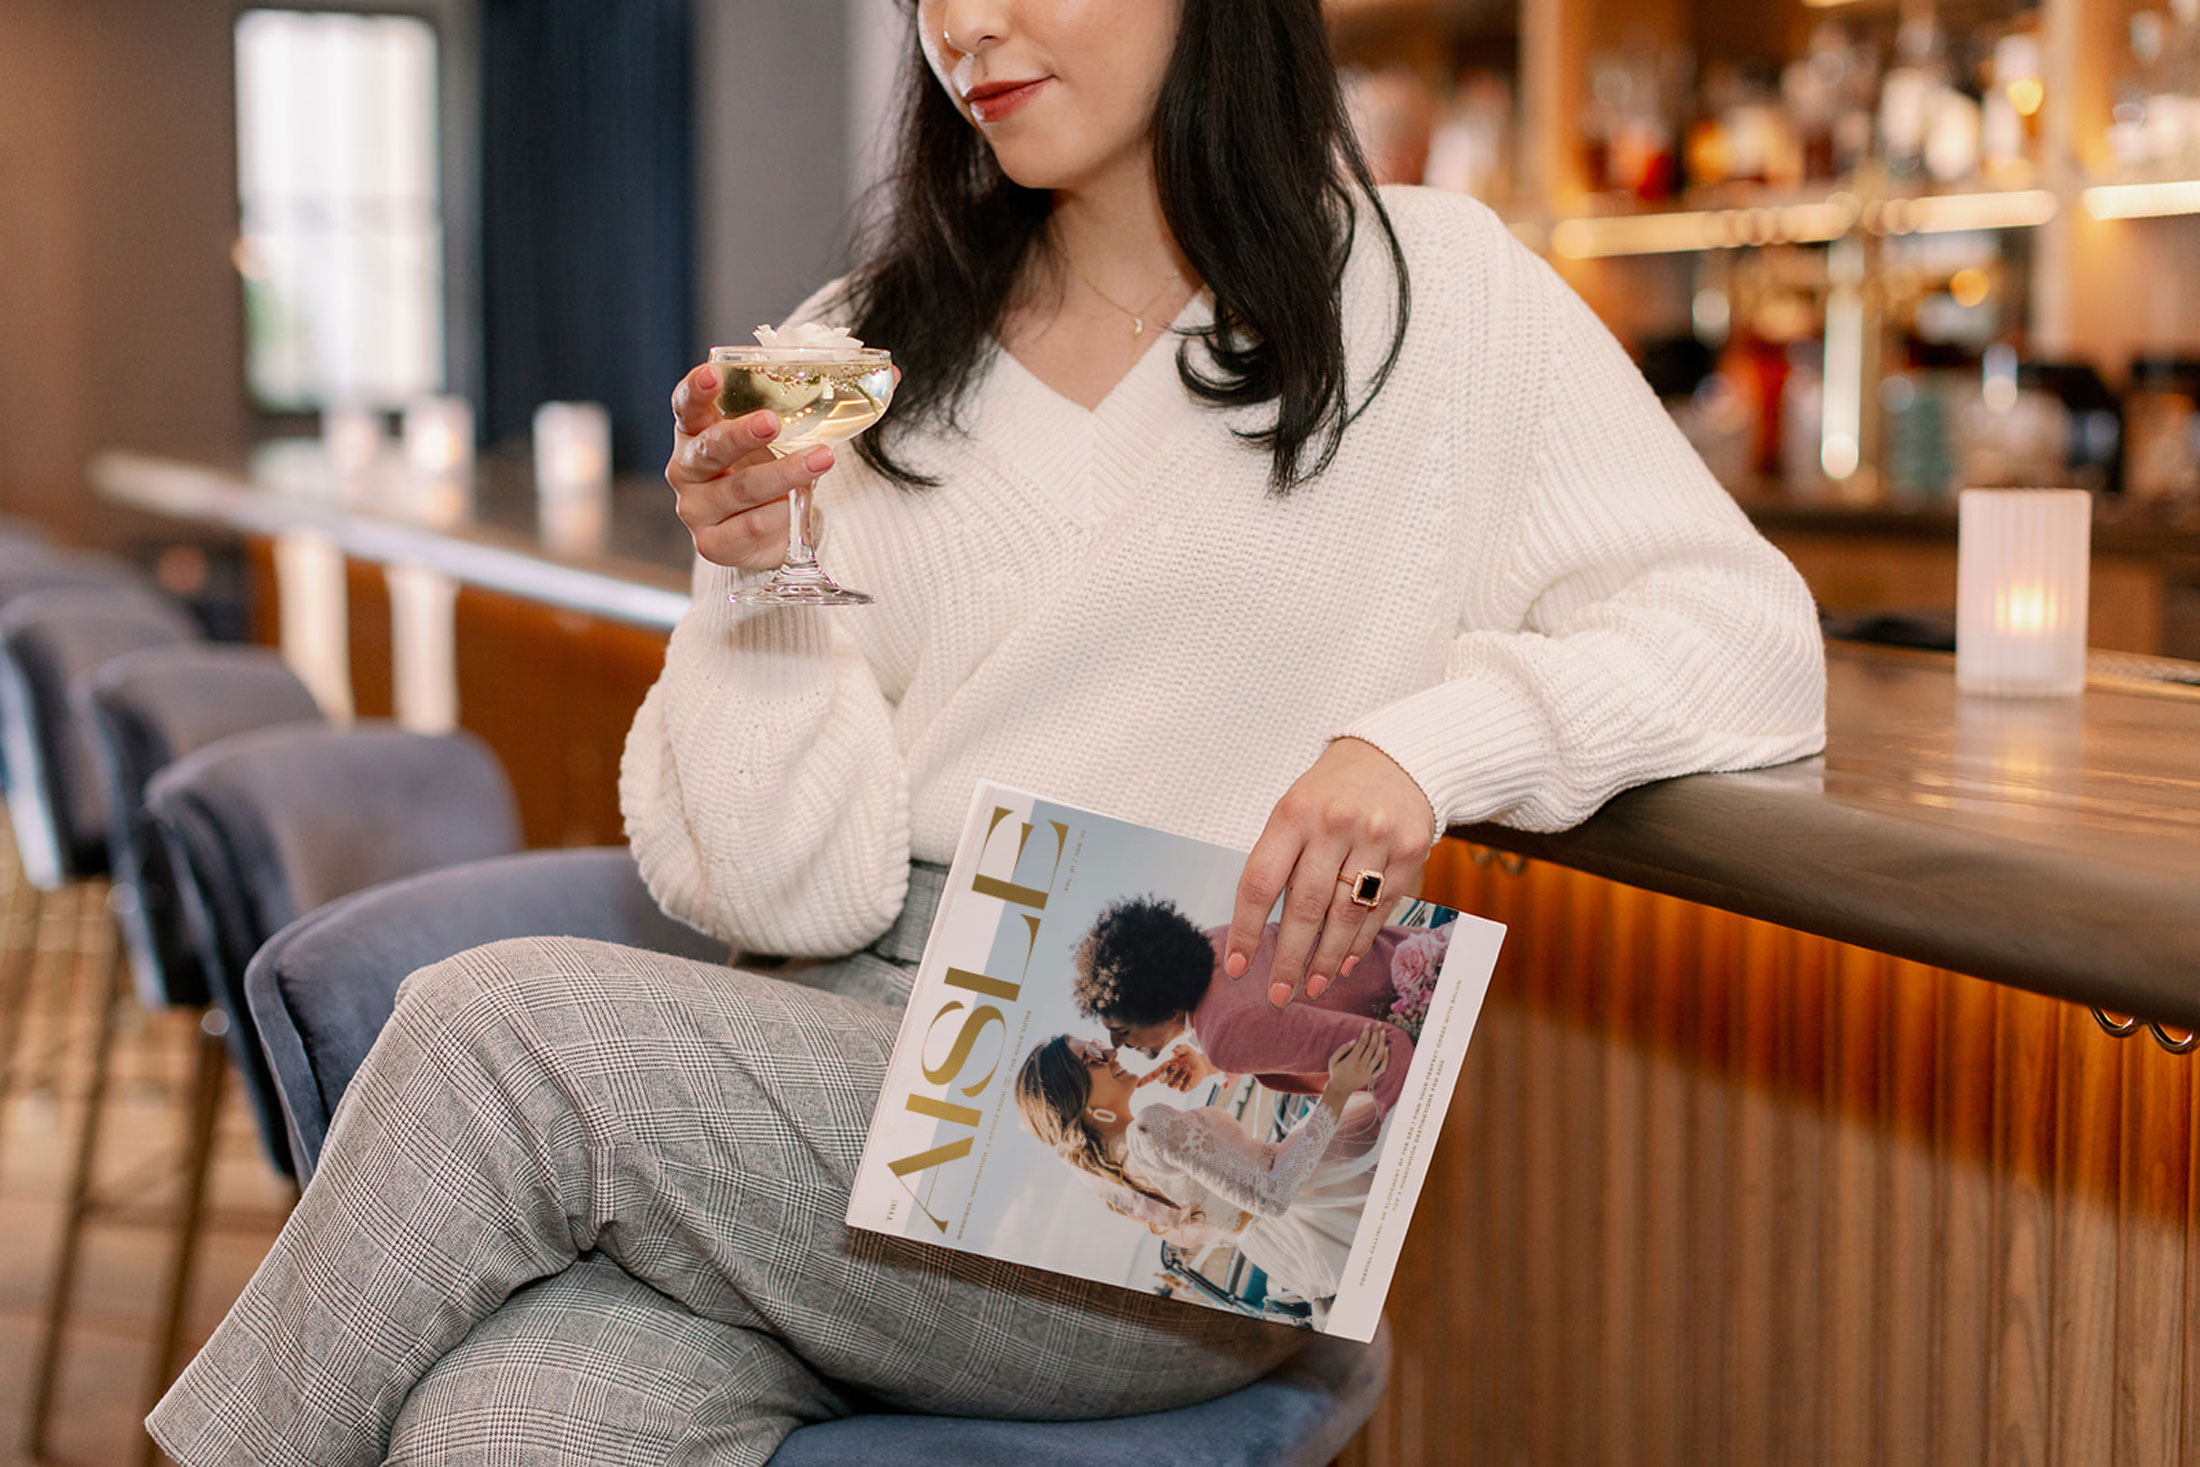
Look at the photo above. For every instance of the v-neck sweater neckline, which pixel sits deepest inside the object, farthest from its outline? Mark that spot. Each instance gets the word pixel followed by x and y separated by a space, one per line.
pixel 1091 456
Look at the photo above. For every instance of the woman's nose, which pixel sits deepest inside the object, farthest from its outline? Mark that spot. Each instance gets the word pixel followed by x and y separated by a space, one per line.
pixel 971 26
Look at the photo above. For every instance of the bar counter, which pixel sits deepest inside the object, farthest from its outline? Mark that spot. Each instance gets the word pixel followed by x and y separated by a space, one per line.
pixel 490 535
pixel 2053 844
pixel 2050 844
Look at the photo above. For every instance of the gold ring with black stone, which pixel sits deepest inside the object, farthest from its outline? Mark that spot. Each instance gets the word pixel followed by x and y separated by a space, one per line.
pixel 1367 887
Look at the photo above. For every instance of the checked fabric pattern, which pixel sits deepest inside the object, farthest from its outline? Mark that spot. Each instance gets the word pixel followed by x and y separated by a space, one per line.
pixel 542 1100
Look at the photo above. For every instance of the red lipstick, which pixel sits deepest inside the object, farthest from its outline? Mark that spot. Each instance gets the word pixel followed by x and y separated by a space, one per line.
pixel 993 101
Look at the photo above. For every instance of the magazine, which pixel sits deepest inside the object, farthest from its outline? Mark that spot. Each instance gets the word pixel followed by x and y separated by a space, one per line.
pixel 1078 1086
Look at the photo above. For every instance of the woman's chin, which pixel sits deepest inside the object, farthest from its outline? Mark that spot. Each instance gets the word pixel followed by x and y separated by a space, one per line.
pixel 1042 175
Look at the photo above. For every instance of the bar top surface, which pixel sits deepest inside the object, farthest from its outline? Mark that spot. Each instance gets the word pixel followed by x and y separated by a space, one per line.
pixel 2050 844
pixel 630 564
pixel 2053 844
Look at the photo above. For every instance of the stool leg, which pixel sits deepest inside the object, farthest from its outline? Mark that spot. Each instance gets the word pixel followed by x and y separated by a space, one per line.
pixel 80 1197
pixel 209 1072
pixel 16 962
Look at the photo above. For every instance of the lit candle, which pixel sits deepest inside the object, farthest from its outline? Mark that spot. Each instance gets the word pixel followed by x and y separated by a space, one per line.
pixel 573 475
pixel 352 438
pixel 439 455
pixel 572 449
pixel 2021 578
pixel 439 437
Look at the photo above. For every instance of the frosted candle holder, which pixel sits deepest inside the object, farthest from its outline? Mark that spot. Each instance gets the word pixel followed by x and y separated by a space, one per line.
pixel 572 449
pixel 2022 560
pixel 352 438
pixel 439 437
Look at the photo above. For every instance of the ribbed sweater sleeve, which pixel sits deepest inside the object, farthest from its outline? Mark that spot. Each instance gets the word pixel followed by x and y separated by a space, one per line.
pixel 763 794
pixel 1660 634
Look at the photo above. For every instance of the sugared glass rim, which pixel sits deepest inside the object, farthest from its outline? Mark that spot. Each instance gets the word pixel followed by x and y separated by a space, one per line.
pixel 869 356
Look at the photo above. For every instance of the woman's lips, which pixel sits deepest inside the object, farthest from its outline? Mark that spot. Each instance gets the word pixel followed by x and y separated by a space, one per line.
pixel 992 103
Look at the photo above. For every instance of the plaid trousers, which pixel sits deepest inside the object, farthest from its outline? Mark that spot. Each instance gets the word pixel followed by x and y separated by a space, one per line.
pixel 583 1204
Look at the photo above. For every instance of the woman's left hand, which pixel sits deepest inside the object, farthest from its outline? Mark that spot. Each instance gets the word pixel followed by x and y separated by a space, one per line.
pixel 1354 811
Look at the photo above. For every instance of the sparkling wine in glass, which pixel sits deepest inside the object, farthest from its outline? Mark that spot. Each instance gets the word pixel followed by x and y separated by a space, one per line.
pixel 822 395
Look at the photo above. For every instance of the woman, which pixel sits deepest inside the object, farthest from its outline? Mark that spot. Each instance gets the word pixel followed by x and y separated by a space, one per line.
pixel 1315 569
pixel 1291 1207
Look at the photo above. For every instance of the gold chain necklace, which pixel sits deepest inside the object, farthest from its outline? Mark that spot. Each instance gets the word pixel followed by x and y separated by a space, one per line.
pixel 1138 317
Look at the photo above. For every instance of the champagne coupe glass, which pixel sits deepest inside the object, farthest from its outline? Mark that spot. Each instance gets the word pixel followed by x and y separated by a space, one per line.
pixel 822 395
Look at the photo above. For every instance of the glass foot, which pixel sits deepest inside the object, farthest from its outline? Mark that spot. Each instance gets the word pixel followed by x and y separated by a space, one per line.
pixel 807 587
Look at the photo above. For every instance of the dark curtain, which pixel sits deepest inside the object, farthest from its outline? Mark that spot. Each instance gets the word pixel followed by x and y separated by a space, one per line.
pixel 587 198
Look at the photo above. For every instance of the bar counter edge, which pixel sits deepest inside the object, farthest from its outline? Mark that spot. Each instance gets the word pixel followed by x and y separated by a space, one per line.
pixel 2121 933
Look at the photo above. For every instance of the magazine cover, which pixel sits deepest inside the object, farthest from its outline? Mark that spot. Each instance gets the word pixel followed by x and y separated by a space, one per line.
pixel 1078 1086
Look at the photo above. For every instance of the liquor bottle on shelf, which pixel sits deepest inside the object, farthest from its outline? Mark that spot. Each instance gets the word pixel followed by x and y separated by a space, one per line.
pixel 1627 130
pixel 2162 429
pixel 2155 128
pixel 2016 95
pixel 1472 148
pixel 1745 134
pixel 1811 89
pixel 2181 68
pixel 2009 433
pixel 1829 92
pixel 1911 95
pixel 1393 117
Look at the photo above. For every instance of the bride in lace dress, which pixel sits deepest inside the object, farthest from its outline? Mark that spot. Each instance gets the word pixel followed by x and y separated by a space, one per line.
pixel 1194 1175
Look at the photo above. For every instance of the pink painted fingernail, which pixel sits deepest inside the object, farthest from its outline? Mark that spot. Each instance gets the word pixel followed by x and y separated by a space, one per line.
pixel 1279 994
pixel 1344 969
pixel 1234 965
pixel 819 461
pixel 1317 985
pixel 764 427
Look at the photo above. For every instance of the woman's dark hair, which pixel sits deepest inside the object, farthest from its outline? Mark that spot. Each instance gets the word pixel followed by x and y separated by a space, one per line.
pixel 1142 962
pixel 1259 177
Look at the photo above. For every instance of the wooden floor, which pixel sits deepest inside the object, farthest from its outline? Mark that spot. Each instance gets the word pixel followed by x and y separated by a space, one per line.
pixel 100 1400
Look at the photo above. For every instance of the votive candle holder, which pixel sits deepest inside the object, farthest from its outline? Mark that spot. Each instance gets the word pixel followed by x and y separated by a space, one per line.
pixel 2022 563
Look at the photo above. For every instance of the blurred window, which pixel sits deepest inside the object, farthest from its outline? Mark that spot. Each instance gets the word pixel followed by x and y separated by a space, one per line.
pixel 341 246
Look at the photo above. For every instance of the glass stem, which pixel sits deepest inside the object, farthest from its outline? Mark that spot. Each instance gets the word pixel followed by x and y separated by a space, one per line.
pixel 801 547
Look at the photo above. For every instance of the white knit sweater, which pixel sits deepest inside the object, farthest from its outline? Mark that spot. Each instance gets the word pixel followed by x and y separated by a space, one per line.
pixel 1516 580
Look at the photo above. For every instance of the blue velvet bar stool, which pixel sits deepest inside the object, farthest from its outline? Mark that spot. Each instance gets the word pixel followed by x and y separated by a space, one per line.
pixel 321 990
pixel 56 805
pixel 58 810
pixel 146 710
pixel 29 568
pixel 263 826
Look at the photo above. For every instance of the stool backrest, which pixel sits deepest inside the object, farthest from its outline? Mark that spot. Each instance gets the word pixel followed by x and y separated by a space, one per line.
pixel 263 826
pixel 49 638
pixel 321 989
pixel 147 709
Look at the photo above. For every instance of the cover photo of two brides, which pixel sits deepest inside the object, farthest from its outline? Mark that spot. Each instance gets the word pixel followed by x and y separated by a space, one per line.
pixel 1136 1114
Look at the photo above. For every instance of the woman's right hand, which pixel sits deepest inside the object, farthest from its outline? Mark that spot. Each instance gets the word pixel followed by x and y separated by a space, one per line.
pixel 1362 1062
pixel 732 491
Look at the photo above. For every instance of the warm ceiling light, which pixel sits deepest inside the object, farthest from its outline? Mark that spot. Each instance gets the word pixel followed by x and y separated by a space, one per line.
pixel 1970 287
pixel 2026 94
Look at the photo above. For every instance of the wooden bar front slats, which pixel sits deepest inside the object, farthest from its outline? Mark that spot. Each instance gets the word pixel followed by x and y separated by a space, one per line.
pixel 1713 1191
pixel 551 691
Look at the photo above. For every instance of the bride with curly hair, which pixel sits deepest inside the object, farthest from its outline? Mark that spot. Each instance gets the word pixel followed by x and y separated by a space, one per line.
pixel 1194 1176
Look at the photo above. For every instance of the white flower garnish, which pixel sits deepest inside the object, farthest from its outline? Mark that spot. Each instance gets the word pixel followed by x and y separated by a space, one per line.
pixel 809 336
